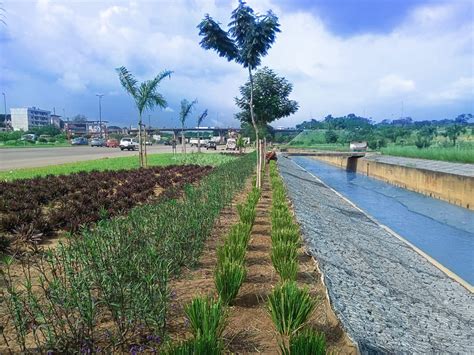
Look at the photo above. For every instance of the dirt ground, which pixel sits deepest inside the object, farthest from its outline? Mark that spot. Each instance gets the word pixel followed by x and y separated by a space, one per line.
pixel 250 328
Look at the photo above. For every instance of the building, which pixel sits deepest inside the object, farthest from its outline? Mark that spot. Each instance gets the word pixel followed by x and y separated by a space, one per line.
pixel 57 121
pixel 86 128
pixel 30 117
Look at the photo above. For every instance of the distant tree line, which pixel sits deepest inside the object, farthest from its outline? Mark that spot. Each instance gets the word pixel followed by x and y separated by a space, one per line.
pixel 402 131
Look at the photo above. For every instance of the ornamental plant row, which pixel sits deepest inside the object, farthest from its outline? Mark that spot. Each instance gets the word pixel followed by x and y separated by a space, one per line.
pixel 207 316
pixel 289 305
pixel 106 289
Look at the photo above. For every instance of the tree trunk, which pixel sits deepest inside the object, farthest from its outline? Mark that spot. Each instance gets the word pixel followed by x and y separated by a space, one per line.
pixel 140 147
pixel 199 142
pixel 183 142
pixel 252 116
pixel 145 156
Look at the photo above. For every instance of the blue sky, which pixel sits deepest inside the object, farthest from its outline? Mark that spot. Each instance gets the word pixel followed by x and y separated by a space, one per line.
pixel 377 58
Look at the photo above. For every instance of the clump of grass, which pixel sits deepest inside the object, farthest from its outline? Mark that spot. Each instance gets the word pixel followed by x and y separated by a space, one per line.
pixel 288 234
pixel 228 278
pixel 285 260
pixel 231 252
pixel 197 346
pixel 290 307
pixel 304 342
pixel 239 234
pixel 207 317
pixel 247 213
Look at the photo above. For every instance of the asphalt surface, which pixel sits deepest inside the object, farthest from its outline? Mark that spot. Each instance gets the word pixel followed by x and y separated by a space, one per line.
pixel 389 298
pixel 16 158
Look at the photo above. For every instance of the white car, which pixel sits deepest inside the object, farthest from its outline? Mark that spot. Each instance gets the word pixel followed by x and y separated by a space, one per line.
pixel 128 143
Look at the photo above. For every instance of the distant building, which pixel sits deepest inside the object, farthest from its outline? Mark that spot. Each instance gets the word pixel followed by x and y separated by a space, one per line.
pixel 57 121
pixel 26 118
pixel 86 128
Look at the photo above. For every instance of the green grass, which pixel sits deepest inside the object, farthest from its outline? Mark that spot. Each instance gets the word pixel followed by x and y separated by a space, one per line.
pixel 452 154
pixel 326 146
pixel 119 163
pixel 40 145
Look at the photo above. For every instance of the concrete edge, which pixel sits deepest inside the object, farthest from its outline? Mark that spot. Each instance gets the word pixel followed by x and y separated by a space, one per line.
pixel 432 261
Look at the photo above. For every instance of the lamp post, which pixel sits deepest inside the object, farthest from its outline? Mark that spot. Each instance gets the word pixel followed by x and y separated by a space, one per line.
pixel 100 113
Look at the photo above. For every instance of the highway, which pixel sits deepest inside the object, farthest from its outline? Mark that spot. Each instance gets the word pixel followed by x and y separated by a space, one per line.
pixel 16 158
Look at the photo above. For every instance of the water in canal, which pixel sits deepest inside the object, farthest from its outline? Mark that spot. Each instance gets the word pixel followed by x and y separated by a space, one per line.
pixel 442 230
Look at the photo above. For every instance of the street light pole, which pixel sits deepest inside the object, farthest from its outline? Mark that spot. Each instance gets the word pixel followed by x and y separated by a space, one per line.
pixel 100 113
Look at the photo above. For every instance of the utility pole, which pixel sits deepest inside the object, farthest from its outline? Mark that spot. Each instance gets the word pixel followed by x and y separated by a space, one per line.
pixel 5 107
pixel 100 113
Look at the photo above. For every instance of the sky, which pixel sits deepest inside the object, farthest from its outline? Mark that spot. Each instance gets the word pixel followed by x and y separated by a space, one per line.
pixel 376 58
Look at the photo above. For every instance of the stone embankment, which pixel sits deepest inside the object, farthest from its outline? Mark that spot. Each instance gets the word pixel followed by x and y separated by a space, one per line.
pixel 389 298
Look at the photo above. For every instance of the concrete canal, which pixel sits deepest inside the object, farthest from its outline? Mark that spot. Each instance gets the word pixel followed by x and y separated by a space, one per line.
pixel 442 230
pixel 389 297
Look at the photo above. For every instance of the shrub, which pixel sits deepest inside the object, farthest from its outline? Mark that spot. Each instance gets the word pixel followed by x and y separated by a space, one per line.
pixel 197 346
pixel 290 307
pixel 228 278
pixel 206 317
pixel 285 260
pixel 306 342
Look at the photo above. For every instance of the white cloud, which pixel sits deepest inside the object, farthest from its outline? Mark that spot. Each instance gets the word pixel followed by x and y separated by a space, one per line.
pixel 392 85
pixel 168 109
pixel 426 60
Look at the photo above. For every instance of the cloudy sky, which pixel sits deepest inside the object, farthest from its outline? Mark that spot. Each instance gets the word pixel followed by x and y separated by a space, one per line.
pixel 376 58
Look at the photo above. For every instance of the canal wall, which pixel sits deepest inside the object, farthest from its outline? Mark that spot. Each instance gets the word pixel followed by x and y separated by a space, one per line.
pixel 453 188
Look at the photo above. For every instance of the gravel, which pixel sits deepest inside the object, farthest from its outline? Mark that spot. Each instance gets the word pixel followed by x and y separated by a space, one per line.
pixel 389 298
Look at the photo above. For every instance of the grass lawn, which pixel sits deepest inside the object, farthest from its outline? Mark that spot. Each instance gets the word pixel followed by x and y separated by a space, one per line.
pixel 452 154
pixel 327 146
pixel 28 145
pixel 116 164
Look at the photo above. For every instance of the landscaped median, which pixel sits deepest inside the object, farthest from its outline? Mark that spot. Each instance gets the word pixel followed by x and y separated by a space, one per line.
pixel 106 288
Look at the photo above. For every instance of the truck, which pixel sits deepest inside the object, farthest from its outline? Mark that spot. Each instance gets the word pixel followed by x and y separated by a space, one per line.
pixel 231 144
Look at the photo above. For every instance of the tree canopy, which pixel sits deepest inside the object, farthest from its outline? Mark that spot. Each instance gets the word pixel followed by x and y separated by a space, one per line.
pixel 249 37
pixel 270 98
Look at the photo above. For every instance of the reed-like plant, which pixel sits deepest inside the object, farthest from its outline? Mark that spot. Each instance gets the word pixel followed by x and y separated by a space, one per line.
pixel 197 346
pixel 228 277
pixel 231 252
pixel 287 234
pixel 290 307
pixel 207 317
pixel 247 213
pixel 285 260
pixel 304 342
pixel 239 234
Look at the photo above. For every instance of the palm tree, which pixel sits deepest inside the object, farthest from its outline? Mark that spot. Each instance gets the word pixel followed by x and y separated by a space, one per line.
pixel 186 108
pixel 249 38
pixel 146 97
pixel 199 121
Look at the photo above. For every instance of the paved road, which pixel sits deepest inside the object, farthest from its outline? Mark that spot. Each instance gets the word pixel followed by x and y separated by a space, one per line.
pixel 389 298
pixel 16 158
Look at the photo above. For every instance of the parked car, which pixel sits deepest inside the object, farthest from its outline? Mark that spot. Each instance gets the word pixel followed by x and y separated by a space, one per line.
pixel 231 144
pixel 148 143
pixel 112 143
pixel 128 143
pixel 167 142
pixel 79 141
pixel 98 142
pixel 211 145
pixel 195 142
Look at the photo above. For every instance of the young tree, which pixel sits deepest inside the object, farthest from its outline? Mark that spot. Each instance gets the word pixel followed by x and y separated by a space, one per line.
pixel 453 132
pixel 270 98
pixel 248 39
pixel 199 121
pixel 186 108
pixel 145 96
